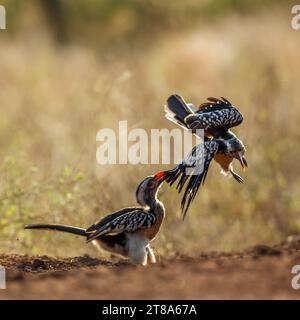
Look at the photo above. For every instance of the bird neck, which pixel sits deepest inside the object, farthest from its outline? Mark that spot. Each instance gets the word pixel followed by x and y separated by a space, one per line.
pixel 154 204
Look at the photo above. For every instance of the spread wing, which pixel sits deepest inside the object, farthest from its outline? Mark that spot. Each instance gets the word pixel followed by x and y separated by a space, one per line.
pixel 215 116
pixel 192 171
pixel 126 220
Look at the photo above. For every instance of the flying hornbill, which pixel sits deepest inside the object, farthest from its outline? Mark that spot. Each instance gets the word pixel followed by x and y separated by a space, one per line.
pixel 127 232
pixel 215 117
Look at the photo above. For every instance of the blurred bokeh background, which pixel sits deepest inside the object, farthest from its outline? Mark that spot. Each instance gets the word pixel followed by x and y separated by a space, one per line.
pixel 70 68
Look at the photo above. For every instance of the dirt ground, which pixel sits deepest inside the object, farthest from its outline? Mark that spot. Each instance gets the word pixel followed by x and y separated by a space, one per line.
pixel 262 272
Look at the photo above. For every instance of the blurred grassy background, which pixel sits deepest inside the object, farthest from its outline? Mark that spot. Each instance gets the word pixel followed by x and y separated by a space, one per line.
pixel 71 68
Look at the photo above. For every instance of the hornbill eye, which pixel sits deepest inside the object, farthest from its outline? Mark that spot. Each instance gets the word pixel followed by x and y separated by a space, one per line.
pixel 151 185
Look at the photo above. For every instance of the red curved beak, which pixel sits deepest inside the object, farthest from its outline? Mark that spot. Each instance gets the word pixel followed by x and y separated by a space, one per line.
pixel 160 176
pixel 239 155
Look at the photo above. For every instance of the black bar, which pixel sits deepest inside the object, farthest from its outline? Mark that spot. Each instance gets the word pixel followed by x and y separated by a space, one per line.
pixel 186 309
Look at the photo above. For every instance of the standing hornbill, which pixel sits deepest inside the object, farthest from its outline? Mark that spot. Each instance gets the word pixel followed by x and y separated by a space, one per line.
pixel 127 232
pixel 215 117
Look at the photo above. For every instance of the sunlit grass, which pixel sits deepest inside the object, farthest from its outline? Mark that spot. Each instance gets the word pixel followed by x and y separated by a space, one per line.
pixel 54 100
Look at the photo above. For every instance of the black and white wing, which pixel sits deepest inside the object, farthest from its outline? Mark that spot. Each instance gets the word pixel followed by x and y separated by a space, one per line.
pixel 111 217
pixel 215 116
pixel 192 171
pixel 126 220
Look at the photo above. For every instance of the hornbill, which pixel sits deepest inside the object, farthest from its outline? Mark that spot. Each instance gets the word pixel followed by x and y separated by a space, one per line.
pixel 215 117
pixel 127 232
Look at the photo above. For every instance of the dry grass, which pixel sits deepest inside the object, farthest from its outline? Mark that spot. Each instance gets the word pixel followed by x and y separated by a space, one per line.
pixel 54 100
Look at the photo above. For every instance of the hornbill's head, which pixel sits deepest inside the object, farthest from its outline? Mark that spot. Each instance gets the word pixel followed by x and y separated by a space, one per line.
pixel 234 147
pixel 148 188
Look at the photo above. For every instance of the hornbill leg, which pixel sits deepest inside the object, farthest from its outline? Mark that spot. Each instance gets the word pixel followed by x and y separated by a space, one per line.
pixel 151 256
pixel 237 177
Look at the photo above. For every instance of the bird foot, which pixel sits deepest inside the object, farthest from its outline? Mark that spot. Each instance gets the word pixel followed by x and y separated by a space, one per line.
pixel 237 177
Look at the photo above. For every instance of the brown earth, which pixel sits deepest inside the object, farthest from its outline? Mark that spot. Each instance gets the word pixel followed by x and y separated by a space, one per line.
pixel 262 272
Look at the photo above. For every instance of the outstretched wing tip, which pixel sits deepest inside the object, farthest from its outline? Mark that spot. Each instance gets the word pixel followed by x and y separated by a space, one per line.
pixel 198 162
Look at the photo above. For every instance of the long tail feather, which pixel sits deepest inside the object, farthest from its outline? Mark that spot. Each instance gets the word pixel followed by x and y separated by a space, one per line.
pixel 177 109
pixel 58 227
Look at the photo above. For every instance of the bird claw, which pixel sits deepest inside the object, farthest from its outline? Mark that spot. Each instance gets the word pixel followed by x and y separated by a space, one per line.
pixel 237 177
